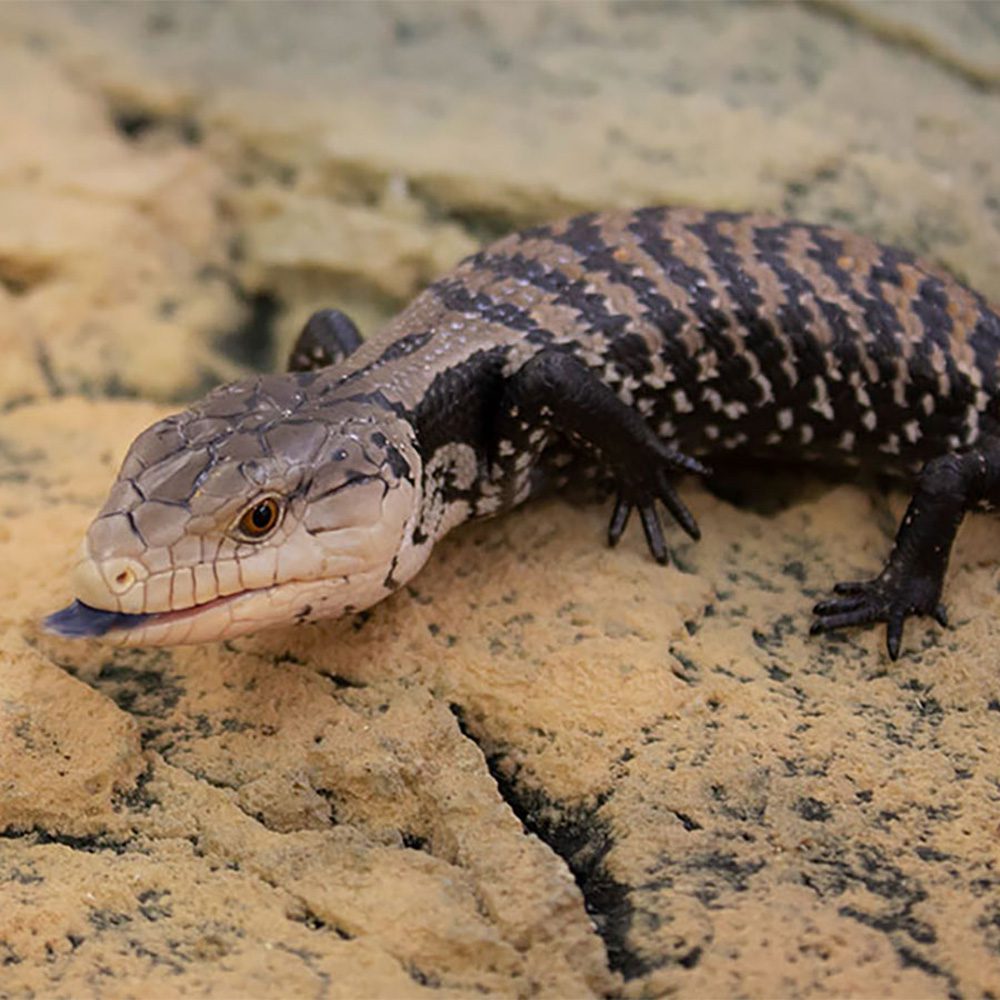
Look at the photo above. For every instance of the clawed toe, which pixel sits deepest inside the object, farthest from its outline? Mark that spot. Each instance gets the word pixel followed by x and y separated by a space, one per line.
pixel 619 520
pixel 654 533
pixel 840 605
pixel 678 509
pixel 830 620
pixel 885 599
pixel 651 525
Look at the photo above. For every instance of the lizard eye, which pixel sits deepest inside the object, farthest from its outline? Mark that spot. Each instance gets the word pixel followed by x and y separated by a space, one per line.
pixel 260 518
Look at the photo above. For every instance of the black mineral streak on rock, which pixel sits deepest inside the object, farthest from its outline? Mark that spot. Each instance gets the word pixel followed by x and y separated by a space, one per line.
pixel 146 689
pixel 582 838
pixel 90 844
pixel 896 894
pixel 813 810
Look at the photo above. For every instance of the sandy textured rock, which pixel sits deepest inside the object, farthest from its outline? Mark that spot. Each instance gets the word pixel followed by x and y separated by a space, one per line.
pixel 545 768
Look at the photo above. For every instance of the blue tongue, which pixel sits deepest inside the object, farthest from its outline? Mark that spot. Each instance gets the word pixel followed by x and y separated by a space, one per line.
pixel 81 619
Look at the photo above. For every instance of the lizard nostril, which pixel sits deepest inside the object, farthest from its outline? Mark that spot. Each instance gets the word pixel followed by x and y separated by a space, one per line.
pixel 121 575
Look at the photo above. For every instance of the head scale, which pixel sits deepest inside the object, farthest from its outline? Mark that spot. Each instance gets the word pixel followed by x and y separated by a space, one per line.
pixel 257 506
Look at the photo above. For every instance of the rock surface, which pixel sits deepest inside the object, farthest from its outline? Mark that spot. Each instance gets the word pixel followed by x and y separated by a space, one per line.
pixel 545 768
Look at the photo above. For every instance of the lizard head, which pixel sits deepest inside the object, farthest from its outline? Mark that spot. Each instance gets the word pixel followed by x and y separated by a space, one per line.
pixel 258 506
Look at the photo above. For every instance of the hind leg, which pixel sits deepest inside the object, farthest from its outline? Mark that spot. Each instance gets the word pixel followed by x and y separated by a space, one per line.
pixel 911 581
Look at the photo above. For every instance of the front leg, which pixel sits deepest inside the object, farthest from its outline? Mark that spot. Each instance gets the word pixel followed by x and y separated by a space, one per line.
pixel 555 392
pixel 328 337
pixel 913 576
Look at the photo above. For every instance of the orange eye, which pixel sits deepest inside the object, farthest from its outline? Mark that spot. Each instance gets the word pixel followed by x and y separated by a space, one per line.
pixel 259 519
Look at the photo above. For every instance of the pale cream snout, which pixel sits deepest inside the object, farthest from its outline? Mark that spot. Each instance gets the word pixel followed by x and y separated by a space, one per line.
pixel 115 584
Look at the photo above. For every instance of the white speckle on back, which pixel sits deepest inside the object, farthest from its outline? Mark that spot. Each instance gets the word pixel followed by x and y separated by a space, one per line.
pixel 713 398
pixel 821 401
pixel 708 367
pixel 971 425
pixel 767 394
pixel 890 447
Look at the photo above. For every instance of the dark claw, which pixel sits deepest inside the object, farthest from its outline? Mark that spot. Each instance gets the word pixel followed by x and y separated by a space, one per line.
pixel 677 508
pixel 619 520
pixel 851 587
pixel 894 633
pixel 654 533
pixel 941 615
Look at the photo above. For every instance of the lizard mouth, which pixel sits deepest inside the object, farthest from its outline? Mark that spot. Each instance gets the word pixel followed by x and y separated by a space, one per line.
pixel 79 620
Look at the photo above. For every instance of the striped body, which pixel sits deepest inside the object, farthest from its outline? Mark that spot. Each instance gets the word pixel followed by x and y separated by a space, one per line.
pixel 727 332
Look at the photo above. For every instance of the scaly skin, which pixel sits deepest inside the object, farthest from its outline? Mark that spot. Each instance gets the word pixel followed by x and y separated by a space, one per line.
pixel 636 339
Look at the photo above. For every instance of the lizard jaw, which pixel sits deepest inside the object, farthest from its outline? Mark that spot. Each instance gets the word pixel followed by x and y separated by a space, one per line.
pixel 289 603
pixel 187 625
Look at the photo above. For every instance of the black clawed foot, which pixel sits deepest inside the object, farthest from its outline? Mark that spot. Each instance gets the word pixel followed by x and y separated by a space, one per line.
pixel 889 598
pixel 651 526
